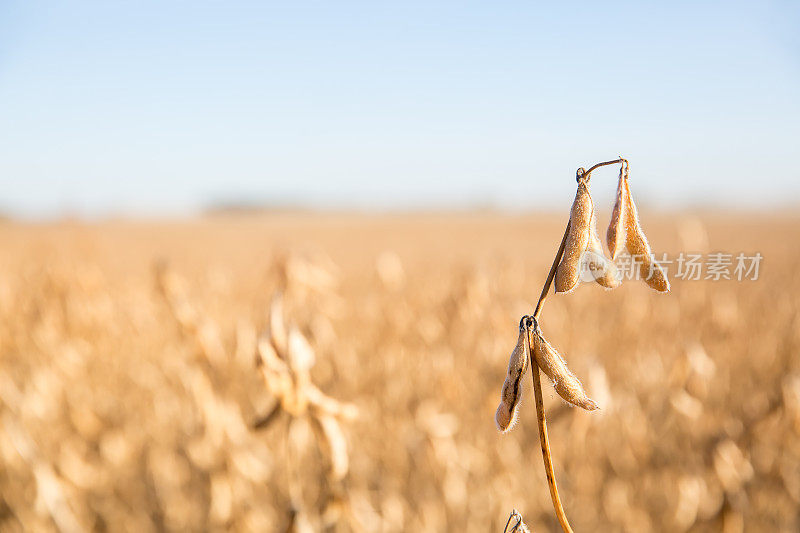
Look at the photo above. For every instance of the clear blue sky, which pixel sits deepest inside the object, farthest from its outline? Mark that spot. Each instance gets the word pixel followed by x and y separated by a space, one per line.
pixel 165 107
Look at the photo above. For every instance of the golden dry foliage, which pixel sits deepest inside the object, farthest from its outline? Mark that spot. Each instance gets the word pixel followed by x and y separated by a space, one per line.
pixel 132 397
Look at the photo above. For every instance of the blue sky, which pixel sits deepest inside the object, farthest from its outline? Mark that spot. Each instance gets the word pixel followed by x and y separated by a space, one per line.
pixel 166 107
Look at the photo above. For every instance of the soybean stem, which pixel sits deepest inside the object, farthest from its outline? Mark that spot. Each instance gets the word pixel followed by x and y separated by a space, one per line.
pixel 546 455
pixel 537 392
pixel 604 163
pixel 549 281
pixel 537 385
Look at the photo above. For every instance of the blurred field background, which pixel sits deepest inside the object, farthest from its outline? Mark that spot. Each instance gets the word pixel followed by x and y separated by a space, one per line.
pixel 262 264
pixel 131 398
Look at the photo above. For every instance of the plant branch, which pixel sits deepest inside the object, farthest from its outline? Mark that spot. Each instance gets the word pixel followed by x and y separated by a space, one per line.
pixel 585 173
pixel 537 385
pixel 604 163
pixel 549 281
pixel 546 455
pixel 537 392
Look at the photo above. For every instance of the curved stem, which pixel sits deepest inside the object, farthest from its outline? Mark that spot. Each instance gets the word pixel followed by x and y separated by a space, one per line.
pixel 546 455
pixel 604 163
pixel 537 393
pixel 549 281
pixel 537 385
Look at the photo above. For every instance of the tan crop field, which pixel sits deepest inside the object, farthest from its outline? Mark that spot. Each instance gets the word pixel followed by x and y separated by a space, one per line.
pixel 340 372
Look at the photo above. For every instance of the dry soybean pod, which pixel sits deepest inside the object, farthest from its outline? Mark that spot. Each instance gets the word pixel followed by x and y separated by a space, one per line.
pixel 603 270
pixel 537 387
pixel 567 385
pixel 568 273
pixel 639 248
pixel 617 229
pixel 510 395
